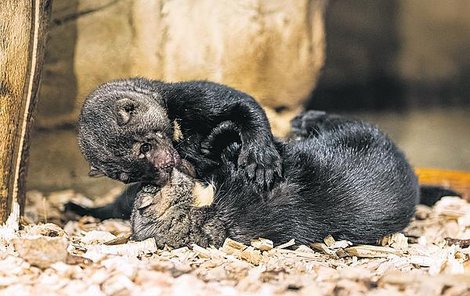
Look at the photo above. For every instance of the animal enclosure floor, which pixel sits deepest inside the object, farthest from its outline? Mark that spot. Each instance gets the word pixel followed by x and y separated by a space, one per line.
pixel 89 257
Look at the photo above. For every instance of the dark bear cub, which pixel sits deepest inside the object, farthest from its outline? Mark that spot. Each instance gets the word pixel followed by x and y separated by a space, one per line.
pixel 208 168
pixel 137 130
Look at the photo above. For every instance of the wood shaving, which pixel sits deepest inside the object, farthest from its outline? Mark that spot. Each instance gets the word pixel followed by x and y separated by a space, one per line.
pixel 366 251
pixel 97 258
pixel 262 244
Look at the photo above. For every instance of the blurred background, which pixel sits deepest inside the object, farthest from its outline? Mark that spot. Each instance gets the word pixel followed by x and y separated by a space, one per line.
pixel 402 64
pixel 405 65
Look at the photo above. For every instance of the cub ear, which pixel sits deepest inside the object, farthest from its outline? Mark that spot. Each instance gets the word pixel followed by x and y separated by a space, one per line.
pixel 124 110
pixel 95 173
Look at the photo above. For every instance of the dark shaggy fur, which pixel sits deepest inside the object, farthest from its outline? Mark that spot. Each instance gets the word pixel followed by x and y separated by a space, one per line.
pixel 127 130
pixel 340 176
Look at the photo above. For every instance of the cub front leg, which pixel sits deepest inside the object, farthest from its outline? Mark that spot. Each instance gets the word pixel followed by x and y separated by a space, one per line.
pixel 201 106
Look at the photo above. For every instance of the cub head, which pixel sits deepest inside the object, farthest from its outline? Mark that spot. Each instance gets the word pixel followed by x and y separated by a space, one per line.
pixel 124 132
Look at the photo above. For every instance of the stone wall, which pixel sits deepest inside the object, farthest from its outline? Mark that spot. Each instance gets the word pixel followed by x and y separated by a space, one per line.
pixel 272 49
pixel 380 54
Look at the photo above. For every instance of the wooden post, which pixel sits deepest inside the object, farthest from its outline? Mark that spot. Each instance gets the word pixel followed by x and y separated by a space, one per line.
pixel 23 26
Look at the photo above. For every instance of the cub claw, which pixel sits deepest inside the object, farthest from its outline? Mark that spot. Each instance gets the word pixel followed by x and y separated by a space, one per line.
pixel 261 163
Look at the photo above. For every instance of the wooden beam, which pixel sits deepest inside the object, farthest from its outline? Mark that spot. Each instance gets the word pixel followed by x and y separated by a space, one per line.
pixel 23 26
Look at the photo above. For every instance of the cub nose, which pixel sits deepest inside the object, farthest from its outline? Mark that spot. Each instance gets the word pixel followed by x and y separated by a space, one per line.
pixel 166 160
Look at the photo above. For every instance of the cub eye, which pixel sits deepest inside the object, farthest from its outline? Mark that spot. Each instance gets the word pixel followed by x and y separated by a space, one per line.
pixel 144 148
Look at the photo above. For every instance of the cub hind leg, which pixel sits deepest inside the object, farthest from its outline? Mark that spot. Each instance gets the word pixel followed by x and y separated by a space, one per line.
pixel 312 123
